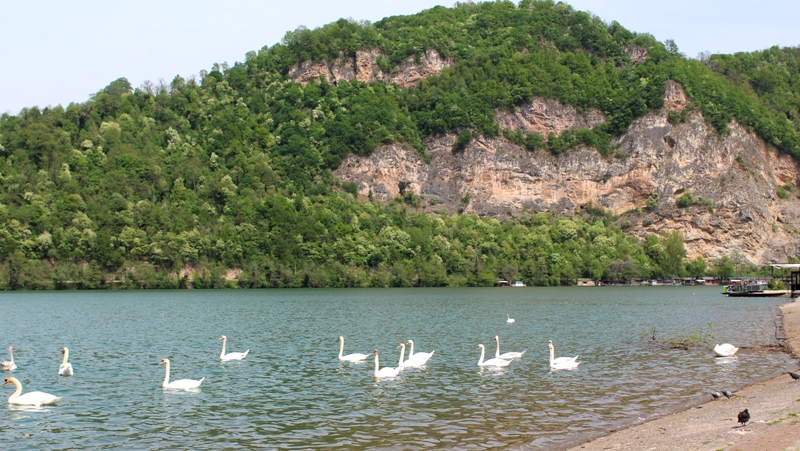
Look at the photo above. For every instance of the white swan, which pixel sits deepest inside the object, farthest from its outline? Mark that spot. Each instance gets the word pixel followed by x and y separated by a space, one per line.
pixel 231 355
pixel 491 362
pixel 509 319
pixel 65 369
pixel 386 371
pixel 561 363
pixel 34 398
pixel 725 350
pixel 10 365
pixel 506 355
pixel 183 384
pixel 419 358
pixel 356 357
pixel 409 363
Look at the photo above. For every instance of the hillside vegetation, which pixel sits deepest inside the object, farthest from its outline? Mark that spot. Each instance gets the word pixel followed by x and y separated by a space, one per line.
pixel 226 180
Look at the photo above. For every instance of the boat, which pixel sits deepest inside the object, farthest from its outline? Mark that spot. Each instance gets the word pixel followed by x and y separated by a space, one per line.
pixel 750 288
pixel 518 283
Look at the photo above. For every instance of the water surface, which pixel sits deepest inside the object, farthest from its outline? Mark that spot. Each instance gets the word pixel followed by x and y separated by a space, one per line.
pixel 292 393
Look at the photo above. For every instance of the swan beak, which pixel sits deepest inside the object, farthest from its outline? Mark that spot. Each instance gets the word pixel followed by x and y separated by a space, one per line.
pixel 5 382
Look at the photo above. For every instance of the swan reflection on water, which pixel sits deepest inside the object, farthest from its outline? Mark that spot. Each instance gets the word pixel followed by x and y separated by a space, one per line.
pixel 23 408
pixel 726 360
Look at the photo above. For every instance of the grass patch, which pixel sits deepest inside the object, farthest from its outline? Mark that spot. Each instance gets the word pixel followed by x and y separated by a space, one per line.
pixel 780 420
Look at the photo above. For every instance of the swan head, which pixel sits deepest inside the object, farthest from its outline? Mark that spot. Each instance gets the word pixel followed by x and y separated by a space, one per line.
pixel 550 344
pixel 375 352
pixel 402 345
pixel 163 361
pixel 12 380
pixel 341 338
pixel 411 342
pixel 10 348
pixel 223 337
pixel 64 350
pixel 480 346
pixel 496 338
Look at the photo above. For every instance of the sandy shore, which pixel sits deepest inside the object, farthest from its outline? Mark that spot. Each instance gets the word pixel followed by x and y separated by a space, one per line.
pixel 774 406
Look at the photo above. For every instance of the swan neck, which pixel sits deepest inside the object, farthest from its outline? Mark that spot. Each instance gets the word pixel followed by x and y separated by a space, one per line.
pixel 552 354
pixel 402 354
pixel 376 365
pixel 341 348
pixel 497 354
pixel 66 356
pixel 411 349
pixel 17 390
pixel 11 355
pixel 222 354
pixel 166 374
pixel 483 354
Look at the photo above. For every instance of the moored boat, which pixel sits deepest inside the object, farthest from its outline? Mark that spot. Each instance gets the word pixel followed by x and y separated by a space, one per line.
pixel 751 288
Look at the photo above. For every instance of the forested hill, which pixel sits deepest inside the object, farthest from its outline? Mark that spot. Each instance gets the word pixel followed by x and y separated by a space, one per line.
pixel 226 180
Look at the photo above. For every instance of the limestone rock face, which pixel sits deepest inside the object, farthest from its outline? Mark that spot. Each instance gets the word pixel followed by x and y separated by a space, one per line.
pixel 364 67
pixel 738 172
pixel 544 116
pixel 636 53
pixel 674 97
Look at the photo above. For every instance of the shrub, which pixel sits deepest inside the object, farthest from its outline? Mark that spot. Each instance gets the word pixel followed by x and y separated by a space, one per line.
pixel 673 117
pixel 350 187
pixel 652 201
pixel 464 138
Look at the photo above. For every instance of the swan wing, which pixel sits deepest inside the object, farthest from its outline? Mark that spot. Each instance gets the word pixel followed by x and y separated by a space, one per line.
pixel 65 369
pixel 34 398
pixel 356 357
pixel 8 366
pixel 419 359
pixel 725 349
pixel 565 360
pixel 235 355
pixel 411 364
pixel 388 372
pixel 564 365
pixel 496 362
pixel 184 384
pixel 512 355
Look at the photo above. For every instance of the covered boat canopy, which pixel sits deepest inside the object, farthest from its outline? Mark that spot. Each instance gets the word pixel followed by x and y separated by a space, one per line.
pixel 794 266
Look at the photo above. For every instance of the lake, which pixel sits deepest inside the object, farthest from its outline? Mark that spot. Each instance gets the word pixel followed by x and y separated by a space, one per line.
pixel 292 393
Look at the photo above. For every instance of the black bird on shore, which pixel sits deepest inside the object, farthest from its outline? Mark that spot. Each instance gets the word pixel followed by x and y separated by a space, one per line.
pixel 716 394
pixel 795 376
pixel 744 416
pixel 728 394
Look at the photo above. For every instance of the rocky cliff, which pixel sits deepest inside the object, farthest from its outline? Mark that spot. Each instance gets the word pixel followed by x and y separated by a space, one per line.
pixel 737 172
pixel 364 67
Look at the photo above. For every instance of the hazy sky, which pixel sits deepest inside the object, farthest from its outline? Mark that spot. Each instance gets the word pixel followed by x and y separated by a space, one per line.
pixel 57 52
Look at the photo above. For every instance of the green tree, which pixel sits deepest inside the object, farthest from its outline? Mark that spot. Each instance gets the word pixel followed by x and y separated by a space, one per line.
pixel 672 259
pixel 697 267
pixel 722 268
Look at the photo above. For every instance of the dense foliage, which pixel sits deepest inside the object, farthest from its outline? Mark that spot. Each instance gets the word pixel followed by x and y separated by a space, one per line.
pixel 226 180
pixel 772 75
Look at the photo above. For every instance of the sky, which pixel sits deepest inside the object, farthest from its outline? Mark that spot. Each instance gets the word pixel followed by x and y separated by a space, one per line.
pixel 57 52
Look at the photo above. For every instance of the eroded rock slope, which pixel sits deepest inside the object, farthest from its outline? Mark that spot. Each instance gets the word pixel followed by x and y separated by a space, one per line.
pixel 737 172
